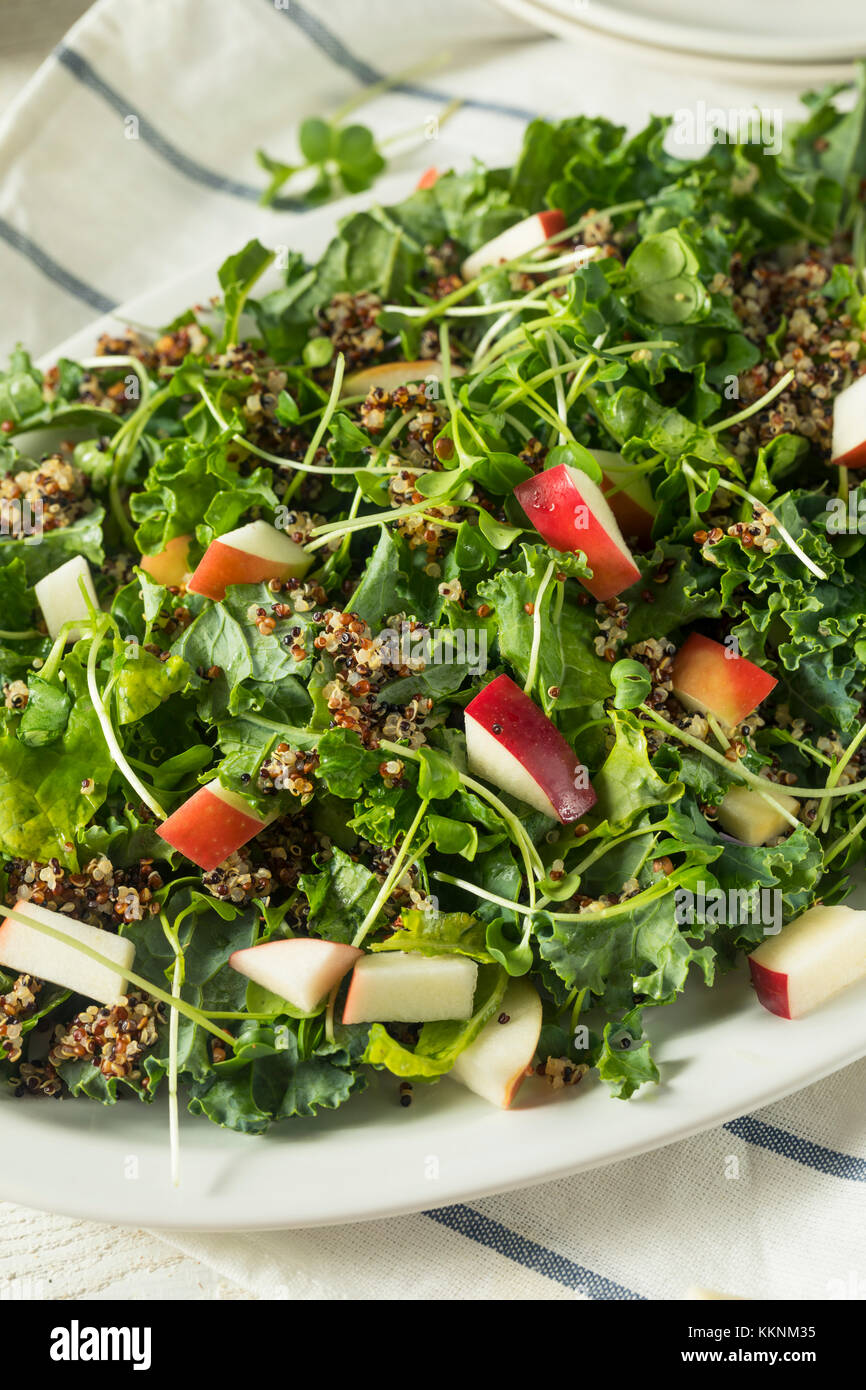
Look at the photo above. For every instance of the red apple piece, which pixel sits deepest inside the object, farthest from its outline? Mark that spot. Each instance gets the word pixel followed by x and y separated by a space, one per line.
pixel 387 376
pixel 171 565
pixel 303 970
pixel 495 1064
pixel 428 178
pixel 811 959
pixel 628 495
pixel 512 743
pixel 751 819
pixel 711 679
pixel 404 987
pixel 249 555
pixel 60 598
pixel 849 425
pixel 28 952
pixel 569 511
pixel 211 825
pixel 525 238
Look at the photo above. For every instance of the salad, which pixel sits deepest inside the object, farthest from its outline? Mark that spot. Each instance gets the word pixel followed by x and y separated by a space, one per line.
pixel 424 661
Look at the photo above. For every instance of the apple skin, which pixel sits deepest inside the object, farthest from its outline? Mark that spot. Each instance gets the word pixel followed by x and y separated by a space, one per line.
pixel 820 953
pixel 211 825
pixel 171 566
pixel 849 425
pixel 26 951
pixel 523 239
pixel 750 819
pixel 512 743
pixel 628 495
pixel 387 376
pixel 405 987
pixel 251 554
pixel 303 970
pixel 706 679
pixel 495 1065
pixel 569 512
pixel 428 178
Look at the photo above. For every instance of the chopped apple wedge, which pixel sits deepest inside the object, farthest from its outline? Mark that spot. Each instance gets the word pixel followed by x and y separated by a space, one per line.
pixel 25 949
pixel 303 970
pixel 849 425
pixel 249 555
pixel 495 1064
pixel 428 178
pixel 211 825
pixel 404 987
pixel 569 511
pixel 512 743
pixel 812 958
pixel 170 566
pixel 749 818
pixel 525 238
pixel 60 598
pixel 628 495
pixel 387 376
pixel 710 679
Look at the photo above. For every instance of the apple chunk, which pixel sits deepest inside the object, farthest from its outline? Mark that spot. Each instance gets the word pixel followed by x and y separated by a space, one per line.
pixel 171 565
pixel 303 970
pixel 749 818
pixel 61 600
pixel 211 825
pixel 249 555
pixel 512 743
pixel 428 178
pixel 387 376
pixel 628 494
pixel 404 987
pixel 710 679
pixel 849 425
pixel 812 958
pixel 525 238
pixel 569 511
pixel 25 949
pixel 494 1065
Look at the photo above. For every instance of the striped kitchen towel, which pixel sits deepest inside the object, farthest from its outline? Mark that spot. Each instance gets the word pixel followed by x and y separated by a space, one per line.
pixel 129 159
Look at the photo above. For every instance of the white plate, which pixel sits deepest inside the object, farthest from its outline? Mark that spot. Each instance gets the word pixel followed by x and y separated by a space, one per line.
pixel 719 1052
pixel 774 40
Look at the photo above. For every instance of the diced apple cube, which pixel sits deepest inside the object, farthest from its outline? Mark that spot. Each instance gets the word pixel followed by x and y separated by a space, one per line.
pixel 61 600
pixel 628 495
pixel 404 987
pixel 303 970
pixel 250 555
pixel 569 511
pixel 711 679
pixel 26 950
pixel 495 1064
pixel 388 376
pixel 171 565
pixel 211 825
pixel 849 425
pixel 814 957
pixel 512 743
pixel 525 238
pixel 749 818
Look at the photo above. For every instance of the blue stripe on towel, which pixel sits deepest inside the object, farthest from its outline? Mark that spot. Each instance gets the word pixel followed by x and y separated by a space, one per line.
pixel 788 1145
pixel 336 50
pixel 466 1221
pixel 50 268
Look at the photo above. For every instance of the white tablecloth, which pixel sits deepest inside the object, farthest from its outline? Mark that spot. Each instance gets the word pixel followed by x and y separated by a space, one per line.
pixel 770 1206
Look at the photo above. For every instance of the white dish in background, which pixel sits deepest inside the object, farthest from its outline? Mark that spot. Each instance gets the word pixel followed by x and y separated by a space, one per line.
pixel 719 1052
pixel 774 41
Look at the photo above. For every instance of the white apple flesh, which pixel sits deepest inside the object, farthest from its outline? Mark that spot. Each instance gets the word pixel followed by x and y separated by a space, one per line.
pixel 494 1065
pixel 61 600
pixel 511 743
pixel 404 987
pixel 752 820
pixel 814 957
pixel 303 970
pixel 26 950
pixel 849 425
pixel 249 555
pixel 525 238
pixel 388 376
